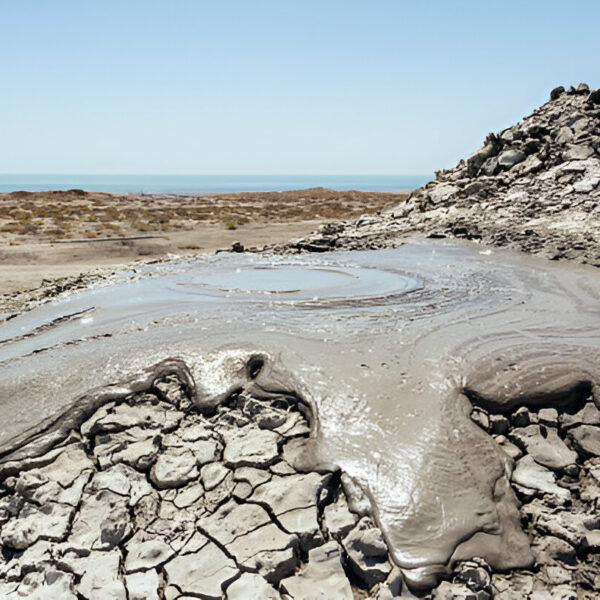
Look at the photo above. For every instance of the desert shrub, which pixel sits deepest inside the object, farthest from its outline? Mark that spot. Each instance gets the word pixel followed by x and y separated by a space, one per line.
pixel 230 224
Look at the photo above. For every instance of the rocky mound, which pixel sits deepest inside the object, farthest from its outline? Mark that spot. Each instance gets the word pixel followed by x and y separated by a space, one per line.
pixel 535 187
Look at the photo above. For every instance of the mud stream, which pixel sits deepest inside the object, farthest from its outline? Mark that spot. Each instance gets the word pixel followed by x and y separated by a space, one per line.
pixel 389 347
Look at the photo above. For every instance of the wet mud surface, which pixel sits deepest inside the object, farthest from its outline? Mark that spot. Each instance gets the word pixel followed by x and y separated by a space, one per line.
pixel 390 350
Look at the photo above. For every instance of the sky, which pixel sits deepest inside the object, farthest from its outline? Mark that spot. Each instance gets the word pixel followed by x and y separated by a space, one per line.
pixel 277 87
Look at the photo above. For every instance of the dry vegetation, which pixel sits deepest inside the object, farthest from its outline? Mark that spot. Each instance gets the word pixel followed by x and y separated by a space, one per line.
pixel 60 215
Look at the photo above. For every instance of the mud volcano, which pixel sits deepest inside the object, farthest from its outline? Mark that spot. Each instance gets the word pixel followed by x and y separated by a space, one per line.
pixel 366 386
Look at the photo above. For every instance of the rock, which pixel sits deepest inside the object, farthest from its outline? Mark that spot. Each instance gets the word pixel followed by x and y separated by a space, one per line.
pixel 251 448
pixel 338 518
pixel 578 152
pixel 548 416
pixel 174 467
pixel 50 584
pixel 474 574
pixel 513 451
pixel 147 554
pixel 499 424
pixel 457 591
pixel 544 445
pixel 594 97
pixel 252 476
pixel 204 573
pixel 557 92
pixel 570 526
pixel 51 521
pixel 521 417
pixel 532 475
pixel 442 193
pixel 550 550
pixel 588 415
pixel 213 474
pixel 323 577
pixel 509 158
pixel 101 523
pixel 367 553
pixel 251 587
pixel 142 586
pixel 100 578
pixel 293 500
pixel 586 438
pixel 237 247
pixel 481 418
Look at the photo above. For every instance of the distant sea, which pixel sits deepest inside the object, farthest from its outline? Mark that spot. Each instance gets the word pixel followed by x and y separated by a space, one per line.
pixel 209 184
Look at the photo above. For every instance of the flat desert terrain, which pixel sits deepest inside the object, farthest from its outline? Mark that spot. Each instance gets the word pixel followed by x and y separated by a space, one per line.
pixel 48 235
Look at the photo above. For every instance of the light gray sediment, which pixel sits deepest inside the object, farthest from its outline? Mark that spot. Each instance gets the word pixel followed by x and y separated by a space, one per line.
pixel 388 378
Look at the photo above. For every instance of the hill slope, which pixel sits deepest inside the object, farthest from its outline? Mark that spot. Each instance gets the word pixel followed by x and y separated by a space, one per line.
pixel 535 186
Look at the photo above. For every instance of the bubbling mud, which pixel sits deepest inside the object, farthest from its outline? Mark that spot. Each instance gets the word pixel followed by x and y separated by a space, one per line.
pixel 388 348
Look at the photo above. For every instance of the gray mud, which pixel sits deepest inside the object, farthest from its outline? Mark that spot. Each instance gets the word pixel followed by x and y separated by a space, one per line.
pixel 388 348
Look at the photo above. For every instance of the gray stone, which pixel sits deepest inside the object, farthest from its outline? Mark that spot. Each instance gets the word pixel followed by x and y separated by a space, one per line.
pixel 252 476
pixel 142 586
pixel 481 418
pixel 578 152
pixel 550 550
pixel 49 584
pixel 509 158
pixel 499 424
pixel 442 192
pixel 520 418
pixel 586 185
pixel 544 445
pixel 213 474
pixel 548 416
pixel 100 579
pixel 251 587
pixel 457 591
pixel 586 438
pixel 174 467
pixel 204 573
pixel 571 526
pixel 530 474
pixel 293 500
pixel 323 577
pixel 50 521
pixel 367 553
pixel 147 554
pixel 101 523
pixel 511 450
pixel 338 518
pixel 588 415
pixel 250 447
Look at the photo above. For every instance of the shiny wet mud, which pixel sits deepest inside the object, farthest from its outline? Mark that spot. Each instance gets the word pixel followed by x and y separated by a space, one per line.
pixel 389 347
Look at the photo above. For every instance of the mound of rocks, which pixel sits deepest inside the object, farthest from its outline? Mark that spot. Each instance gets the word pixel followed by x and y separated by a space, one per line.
pixel 534 186
pixel 150 499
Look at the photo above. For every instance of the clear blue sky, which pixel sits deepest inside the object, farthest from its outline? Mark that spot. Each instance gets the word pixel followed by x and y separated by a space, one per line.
pixel 251 87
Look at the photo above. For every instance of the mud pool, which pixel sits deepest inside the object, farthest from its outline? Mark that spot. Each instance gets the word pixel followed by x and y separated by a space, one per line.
pixel 390 347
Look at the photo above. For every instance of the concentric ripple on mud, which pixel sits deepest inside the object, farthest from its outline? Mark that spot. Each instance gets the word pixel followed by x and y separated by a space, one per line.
pixel 389 366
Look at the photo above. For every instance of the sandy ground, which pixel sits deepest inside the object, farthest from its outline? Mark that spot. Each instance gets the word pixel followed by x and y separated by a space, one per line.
pixel 51 235
pixel 25 266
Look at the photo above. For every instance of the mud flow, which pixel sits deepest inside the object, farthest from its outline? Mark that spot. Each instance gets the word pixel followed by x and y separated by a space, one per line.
pixel 385 353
